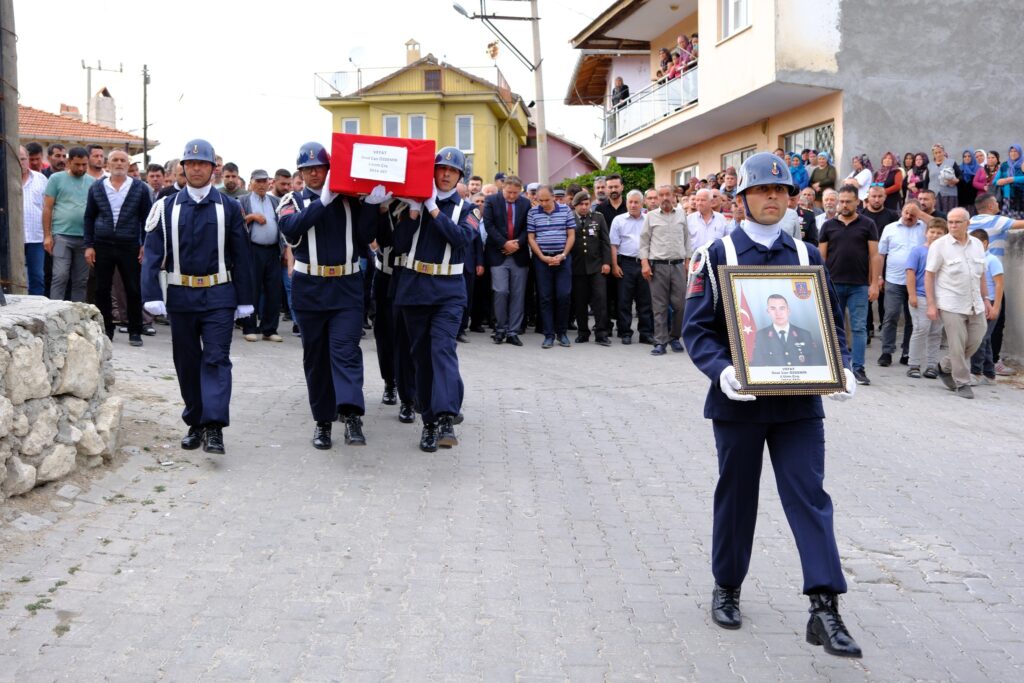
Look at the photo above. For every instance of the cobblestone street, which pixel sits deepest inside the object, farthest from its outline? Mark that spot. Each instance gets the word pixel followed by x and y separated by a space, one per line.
pixel 566 538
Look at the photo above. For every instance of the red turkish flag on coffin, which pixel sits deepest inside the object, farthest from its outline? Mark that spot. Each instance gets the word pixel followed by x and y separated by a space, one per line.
pixel 361 162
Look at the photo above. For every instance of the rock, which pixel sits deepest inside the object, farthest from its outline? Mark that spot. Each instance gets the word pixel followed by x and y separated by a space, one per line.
pixel 44 431
pixel 6 416
pixel 81 372
pixel 90 443
pixel 58 463
pixel 76 407
pixel 20 427
pixel 108 422
pixel 68 492
pixel 74 433
pixel 20 477
pixel 27 522
pixel 93 461
pixel 26 376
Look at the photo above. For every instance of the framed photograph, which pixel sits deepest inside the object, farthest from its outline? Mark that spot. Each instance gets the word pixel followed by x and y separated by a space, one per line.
pixel 781 331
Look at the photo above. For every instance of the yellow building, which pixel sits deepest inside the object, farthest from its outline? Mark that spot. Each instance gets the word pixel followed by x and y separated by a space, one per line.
pixel 428 99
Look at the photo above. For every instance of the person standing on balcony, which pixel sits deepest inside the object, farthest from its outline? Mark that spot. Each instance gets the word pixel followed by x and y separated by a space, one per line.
pixel 620 93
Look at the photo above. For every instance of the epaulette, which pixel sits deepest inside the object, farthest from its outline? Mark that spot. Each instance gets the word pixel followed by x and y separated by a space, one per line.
pixel 156 214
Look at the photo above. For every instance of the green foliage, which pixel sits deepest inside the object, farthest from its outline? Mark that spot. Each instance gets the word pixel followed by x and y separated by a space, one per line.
pixel 634 177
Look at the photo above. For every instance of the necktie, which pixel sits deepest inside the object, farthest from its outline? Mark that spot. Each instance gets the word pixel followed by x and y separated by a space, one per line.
pixel 782 336
pixel 511 225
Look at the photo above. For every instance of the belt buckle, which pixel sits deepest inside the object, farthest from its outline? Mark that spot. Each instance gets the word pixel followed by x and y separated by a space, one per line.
pixel 197 281
pixel 330 271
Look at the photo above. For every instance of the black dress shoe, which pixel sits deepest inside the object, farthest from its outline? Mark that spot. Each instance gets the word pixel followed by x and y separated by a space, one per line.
pixel 354 431
pixel 604 341
pixel 406 414
pixel 213 440
pixel 646 339
pixel 826 627
pixel 476 328
pixel 322 436
pixel 582 340
pixel 885 360
pixel 390 396
pixel 149 330
pixel 428 440
pixel 725 607
pixel 461 337
pixel 498 338
pixel 446 432
pixel 135 339
pixel 627 340
pixel 904 359
pixel 193 439
pixel 514 340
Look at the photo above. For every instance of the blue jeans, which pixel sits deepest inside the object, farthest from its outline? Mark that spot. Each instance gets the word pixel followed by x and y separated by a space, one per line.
pixel 34 256
pixel 855 298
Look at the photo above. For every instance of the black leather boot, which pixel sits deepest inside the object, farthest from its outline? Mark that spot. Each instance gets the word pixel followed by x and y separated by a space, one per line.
pixel 826 627
pixel 354 431
pixel 428 440
pixel 446 432
pixel 192 440
pixel 406 414
pixel 725 607
pixel 390 396
pixel 213 439
pixel 322 436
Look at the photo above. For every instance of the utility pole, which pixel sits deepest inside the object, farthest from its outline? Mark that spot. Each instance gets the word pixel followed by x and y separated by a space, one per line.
pixel 538 79
pixel 88 81
pixel 12 221
pixel 145 118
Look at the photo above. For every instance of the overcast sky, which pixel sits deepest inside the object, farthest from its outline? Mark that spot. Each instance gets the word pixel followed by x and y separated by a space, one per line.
pixel 241 74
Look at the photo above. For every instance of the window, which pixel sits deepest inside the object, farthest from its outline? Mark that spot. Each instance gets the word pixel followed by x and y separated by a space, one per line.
pixel 736 159
pixel 391 125
pixel 350 126
pixel 417 126
pixel 683 175
pixel 821 138
pixel 464 133
pixel 735 16
pixel 432 80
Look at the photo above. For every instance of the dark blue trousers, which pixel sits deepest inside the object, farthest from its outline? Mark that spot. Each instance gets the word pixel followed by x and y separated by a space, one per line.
pixel 633 287
pixel 432 331
pixel 266 277
pixel 797 451
pixel 393 355
pixel 554 285
pixel 333 361
pixel 201 347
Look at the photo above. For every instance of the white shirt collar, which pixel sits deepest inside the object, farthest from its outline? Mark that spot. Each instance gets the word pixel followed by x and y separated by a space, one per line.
pixel 125 186
pixel 780 330
pixel 198 194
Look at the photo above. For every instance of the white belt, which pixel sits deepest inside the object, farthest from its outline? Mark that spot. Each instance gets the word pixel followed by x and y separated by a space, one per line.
pixel 436 268
pixel 201 281
pixel 327 271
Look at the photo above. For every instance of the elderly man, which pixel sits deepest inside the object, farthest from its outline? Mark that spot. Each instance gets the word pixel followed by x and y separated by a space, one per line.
pixel 651 200
pixel 664 253
pixel 958 294
pixel 259 211
pixel 829 205
pixel 897 241
pixel 625 238
pixel 704 225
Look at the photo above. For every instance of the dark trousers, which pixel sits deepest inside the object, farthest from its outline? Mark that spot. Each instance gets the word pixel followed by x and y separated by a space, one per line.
pixel 266 278
pixel 797 451
pixel 897 296
pixel 469 276
pixel 997 332
pixel 590 291
pixel 481 305
pixel 384 328
pixel 333 361
pixel 125 259
pixel 432 330
pixel 553 286
pixel 34 257
pixel 612 300
pixel 633 287
pixel 201 347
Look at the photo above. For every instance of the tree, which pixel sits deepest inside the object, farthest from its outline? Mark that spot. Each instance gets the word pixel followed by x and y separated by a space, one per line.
pixel 634 177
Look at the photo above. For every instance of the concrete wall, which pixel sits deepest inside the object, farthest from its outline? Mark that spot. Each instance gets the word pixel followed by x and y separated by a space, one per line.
pixel 635 71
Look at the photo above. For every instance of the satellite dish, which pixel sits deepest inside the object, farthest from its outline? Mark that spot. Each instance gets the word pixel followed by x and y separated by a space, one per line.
pixel 357 55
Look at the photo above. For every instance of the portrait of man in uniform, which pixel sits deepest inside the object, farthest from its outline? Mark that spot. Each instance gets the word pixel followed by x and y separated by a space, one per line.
pixel 783 343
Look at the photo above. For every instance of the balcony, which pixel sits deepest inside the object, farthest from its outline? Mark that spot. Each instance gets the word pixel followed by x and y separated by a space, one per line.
pixel 650 105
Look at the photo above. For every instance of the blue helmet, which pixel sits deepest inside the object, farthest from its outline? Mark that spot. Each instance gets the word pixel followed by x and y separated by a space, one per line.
pixel 198 150
pixel 451 157
pixel 764 168
pixel 313 154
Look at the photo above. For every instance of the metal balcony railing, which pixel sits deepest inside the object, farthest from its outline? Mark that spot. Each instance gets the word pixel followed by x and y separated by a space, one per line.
pixel 650 105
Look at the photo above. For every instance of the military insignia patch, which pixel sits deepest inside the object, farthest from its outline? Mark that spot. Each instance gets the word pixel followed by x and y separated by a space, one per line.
pixel 775 168
pixel 696 286
pixel 802 289
pixel 472 220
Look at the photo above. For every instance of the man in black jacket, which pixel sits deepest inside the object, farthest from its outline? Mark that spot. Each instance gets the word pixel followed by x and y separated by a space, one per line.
pixel 115 213
pixel 508 257
pixel 591 263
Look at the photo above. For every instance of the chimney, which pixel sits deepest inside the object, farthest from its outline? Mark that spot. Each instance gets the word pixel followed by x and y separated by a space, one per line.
pixel 412 51
pixel 70 111
pixel 101 109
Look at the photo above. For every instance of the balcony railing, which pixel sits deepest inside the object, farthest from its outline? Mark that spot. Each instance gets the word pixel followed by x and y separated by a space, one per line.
pixel 650 105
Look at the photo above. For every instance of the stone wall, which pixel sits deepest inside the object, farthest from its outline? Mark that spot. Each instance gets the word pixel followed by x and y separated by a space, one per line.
pixel 56 410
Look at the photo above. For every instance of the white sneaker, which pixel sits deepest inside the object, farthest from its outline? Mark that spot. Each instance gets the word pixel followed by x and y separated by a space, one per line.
pixel 273 337
pixel 975 380
pixel 252 337
pixel 1004 371
pixel 985 381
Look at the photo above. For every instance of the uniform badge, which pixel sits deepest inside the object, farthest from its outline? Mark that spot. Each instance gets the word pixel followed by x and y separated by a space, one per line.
pixel 775 168
pixel 311 155
pixel 195 149
pixel 448 156
pixel 802 289
pixel 696 287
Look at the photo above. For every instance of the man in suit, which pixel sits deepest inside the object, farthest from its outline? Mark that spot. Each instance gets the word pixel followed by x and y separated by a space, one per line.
pixel 783 343
pixel 508 257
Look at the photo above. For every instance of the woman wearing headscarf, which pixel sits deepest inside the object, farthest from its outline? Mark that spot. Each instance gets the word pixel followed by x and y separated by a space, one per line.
pixel 917 178
pixel 890 176
pixel 1009 181
pixel 860 176
pixel 798 171
pixel 965 191
pixel 908 163
pixel 823 177
pixel 988 167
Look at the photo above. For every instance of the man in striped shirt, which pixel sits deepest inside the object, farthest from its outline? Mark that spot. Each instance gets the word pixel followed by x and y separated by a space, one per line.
pixel 551 229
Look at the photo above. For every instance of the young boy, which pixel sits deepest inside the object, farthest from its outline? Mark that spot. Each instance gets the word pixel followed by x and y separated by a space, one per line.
pixel 983 369
pixel 924 341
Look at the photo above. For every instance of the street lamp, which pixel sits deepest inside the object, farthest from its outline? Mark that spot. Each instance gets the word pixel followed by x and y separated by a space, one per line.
pixel 534 66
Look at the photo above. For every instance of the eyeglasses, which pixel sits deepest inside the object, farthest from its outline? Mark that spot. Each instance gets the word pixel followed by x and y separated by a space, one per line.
pixel 877 185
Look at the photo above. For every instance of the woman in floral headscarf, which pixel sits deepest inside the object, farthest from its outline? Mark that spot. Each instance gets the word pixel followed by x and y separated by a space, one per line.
pixel 890 175
pixel 1009 183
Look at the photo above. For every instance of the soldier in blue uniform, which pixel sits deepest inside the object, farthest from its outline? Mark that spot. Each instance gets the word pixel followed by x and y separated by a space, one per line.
pixel 432 295
pixel 327 232
pixel 791 426
pixel 197 238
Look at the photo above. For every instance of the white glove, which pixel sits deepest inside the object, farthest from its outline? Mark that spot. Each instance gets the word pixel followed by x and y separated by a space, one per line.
pixel 413 204
pixel 326 196
pixel 730 385
pixel 379 195
pixel 155 307
pixel 243 312
pixel 851 388
pixel 430 204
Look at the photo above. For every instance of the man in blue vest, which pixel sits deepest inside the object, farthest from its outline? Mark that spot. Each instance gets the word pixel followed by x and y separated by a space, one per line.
pixel 327 233
pixel 432 295
pixel 196 236
pixel 792 426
